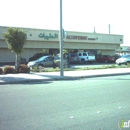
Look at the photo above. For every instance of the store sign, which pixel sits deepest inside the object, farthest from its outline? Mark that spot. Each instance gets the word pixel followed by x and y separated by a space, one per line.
pixel 50 36
pixel 92 38
pixel 76 37
pixel 79 37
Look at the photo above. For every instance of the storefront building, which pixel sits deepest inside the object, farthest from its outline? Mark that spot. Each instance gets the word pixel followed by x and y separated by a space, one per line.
pixel 41 40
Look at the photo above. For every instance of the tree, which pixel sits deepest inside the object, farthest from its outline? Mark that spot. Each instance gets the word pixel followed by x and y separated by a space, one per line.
pixel 15 39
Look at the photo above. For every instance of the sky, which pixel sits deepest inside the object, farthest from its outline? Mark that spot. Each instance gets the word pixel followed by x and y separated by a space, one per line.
pixel 77 15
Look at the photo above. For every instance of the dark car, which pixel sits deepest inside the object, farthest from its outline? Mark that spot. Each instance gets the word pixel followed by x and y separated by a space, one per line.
pixel 106 59
pixel 37 56
pixel 73 57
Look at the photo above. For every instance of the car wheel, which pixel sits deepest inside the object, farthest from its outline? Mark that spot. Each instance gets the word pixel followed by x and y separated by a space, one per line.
pixel 82 61
pixel 127 63
pixel 54 66
pixel 119 64
pixel 40 67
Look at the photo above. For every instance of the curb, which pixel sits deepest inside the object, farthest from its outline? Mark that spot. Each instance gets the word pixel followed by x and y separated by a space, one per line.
pixel 62 78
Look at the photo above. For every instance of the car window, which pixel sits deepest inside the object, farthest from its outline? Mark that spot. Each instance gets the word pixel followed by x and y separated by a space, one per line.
pixel 84 54
pixel 41 59
pixel 46 59
pixel 126 56
pixel 79 54
pixel 50 58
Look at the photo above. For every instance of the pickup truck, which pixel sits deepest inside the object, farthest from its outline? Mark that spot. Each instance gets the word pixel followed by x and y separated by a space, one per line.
pixel 86 57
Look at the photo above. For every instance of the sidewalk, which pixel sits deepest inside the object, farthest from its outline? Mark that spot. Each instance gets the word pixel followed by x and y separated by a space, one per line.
pixel 53 76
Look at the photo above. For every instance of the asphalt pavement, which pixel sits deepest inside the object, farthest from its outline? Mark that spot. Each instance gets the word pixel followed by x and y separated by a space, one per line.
pixel 53 76
pixel 100 103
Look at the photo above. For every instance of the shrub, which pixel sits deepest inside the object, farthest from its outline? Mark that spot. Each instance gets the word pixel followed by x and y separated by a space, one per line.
pixel 23 69
pixel 1 71
pixel 9 70
pixel 35 69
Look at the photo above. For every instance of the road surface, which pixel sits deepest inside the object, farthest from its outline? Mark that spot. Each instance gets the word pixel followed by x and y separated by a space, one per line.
pixel 87 104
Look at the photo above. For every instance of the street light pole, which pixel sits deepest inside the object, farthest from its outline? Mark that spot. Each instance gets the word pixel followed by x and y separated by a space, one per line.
pixel 61 41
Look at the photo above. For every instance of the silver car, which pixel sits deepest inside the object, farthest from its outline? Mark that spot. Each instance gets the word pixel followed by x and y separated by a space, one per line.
pixel 125 59
pixel 45 61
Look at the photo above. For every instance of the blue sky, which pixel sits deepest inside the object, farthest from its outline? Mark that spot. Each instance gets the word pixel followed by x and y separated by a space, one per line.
pixel 78 15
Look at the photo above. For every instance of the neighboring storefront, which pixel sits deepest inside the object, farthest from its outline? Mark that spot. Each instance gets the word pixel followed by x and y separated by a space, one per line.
pixel 122 50
pixel 41 40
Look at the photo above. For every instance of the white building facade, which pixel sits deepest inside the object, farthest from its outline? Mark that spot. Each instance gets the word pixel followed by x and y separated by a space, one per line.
pixel 41 40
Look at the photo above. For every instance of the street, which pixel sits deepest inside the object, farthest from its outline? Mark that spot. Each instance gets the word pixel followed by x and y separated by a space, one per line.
pixel 86 104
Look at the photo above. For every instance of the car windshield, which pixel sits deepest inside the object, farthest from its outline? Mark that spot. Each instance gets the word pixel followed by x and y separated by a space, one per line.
pixel 125 56
pixel 41 58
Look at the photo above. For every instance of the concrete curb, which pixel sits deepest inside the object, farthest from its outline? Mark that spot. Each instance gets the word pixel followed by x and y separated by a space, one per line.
pixel 61 78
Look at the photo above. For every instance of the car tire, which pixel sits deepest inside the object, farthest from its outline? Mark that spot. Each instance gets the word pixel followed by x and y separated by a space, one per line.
pixel 54 67
pixel 40 67
pixel 82 61
pixel 127 63
pixel 119 64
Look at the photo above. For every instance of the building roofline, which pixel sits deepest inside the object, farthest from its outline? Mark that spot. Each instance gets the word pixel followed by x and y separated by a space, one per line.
pixel 65 30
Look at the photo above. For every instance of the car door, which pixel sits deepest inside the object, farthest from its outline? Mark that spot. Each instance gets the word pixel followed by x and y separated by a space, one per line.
pixel 50 61
pixel 105 58
pixel 45 62
pixel 100 59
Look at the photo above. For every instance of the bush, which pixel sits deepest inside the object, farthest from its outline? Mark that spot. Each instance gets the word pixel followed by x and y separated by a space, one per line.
pixel 23 69
pixel 9 70
pixel 1 71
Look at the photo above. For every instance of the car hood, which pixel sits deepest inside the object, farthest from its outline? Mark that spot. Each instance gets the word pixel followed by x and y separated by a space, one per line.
pixel 122 59
pixel 33 62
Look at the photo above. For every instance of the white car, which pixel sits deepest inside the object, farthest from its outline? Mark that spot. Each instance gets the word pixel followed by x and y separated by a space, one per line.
pixel 86 57
pixel 125 59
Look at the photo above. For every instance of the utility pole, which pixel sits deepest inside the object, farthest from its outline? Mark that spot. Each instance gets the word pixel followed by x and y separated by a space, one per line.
pixel 61 41
pixel 94 30
pixel 109 28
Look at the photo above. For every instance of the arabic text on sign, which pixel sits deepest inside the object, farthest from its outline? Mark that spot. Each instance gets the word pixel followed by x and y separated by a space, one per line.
pixel 42 35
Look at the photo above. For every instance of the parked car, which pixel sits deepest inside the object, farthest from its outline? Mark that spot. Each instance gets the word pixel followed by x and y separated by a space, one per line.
pixel 86 57
pixel 106 59
pixel 125 59
pixel 46 61
pixel 73 57
pixel 38 55
pixel 57 60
